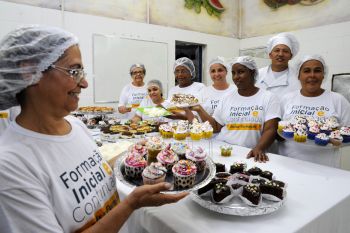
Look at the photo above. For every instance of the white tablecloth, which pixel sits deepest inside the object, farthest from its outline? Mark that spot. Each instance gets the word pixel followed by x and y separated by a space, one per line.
pixel 318 200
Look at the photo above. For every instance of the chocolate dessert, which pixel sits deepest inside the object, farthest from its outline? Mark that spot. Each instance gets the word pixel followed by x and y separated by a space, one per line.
pixel 267 175
pixel 237 168
pixel 272 188
pixel 252 193
pixel 220 167
pixel 255 171
pixel 220 192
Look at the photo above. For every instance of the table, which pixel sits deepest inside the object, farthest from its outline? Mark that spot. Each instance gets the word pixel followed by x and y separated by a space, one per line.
pixel 318 200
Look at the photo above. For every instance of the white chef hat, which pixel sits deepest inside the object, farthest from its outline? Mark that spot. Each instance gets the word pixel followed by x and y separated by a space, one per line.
pixel 285 39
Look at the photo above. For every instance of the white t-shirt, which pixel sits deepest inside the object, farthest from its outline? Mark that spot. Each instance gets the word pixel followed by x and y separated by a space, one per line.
pixel 8 115
pixel 147 102
pixel 53 183
pixel 132 95
pixel 193 89
pixel 211 97
pixel 279 83
pixel 243 117
pixel 326 105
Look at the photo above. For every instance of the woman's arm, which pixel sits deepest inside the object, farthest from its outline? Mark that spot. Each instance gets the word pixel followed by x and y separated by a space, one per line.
pixel 145 195
pixel 267 137
pixel 206 117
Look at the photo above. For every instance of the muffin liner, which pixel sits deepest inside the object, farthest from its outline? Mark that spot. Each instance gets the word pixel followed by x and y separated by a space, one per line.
pixel 287 134
pixel 271 197
pixel 196 136
pixel 133 172
pixel 180 136
pixel 184 182
pixel 346 138
pixel 246 201
pixel 321 142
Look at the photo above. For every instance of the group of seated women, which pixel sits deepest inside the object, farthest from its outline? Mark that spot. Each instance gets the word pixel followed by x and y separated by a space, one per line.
pixel 248 113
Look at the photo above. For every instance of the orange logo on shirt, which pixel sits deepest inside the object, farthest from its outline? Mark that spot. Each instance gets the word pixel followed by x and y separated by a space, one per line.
pixel 107 168
pixel 255 113
pixel 320 113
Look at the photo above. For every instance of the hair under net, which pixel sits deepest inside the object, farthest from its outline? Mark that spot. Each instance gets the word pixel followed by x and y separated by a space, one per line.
pixel 157 83
pixel 137 65
pixel 186 62
pixel 313 57
pixel 286 39
pixel 217 60
pixel 24 54
pixel 246 61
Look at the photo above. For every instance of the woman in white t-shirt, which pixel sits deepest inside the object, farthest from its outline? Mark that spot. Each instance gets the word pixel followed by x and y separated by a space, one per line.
pixel 185 72
pixel 212 95
pixel 50 167
pixel 133 93
pixel 313 101
pixel 154 98
pixel 247 117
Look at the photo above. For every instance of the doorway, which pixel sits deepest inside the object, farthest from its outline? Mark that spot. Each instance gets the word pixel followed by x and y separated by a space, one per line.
pixel 192 51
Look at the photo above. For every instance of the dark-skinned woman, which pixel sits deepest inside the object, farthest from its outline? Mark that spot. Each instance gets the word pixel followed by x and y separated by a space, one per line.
pixel 312 101
pixel 247 117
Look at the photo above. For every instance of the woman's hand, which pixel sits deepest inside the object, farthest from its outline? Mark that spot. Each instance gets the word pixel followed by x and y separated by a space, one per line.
pixel 123 109
pixel 258 155
pixel 149 195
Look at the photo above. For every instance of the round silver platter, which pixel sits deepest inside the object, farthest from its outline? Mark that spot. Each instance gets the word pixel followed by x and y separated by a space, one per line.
pixel 237 207
pixel 202 178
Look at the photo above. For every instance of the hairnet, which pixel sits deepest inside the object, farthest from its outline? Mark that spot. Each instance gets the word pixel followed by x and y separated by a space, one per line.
pixel 157 83
pixel 186 62
pixel 286 39
pixel 137 65
pixel 217 60
pixel 24 54
pixel 313 57
pixel 248 62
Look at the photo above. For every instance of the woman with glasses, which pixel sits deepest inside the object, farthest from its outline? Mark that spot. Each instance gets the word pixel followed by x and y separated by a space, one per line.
pixel 133 93
pixel 185 72
pixel 153 99
pixel 248 116
pixel 212 95
pixel 52 175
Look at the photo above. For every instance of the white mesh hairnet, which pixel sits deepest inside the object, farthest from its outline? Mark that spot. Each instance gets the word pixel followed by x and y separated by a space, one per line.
pixel 186 62
pixel 247 61
pixel 286 39
pixel 24 54
pixel 137 65
pixel 157 83
pixel 217 60
pixel 313 57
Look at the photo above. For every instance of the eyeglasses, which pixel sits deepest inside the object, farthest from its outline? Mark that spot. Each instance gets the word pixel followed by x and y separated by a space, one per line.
pixel 137 72
pixel 76 74
pixel 181 72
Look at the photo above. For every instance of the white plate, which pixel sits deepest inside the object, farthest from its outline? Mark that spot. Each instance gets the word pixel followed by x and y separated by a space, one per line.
pixel 310 2
pixel 237 207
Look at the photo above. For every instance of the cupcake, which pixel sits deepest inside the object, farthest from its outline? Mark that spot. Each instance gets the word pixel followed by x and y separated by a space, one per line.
pixel 321 139
pixel 335 138
pixel 300 136
pixel 198 156
pixel 326 128
pixel 134 165
pixel 184 172
pixel 167 158
pixel 196 130
pixel 180 132
pixel 138 149
pixel 332 122
pixel 282 125
pixel 166 131
pixel 226 150
pixel 207 130
pixel 345 133
pixel 299 120
pixel 180 149
pixel 313 131
pixel 288 132
pixel 154 173
pixel 154 145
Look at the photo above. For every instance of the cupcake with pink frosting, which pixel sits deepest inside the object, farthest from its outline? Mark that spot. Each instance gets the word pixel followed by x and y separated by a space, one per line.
pixel 313 131
pixel 335 138
pixel 154 173
pixel 167 158
pixel 134 165
pixel 138 149
pixel 184 172
pixel 198 156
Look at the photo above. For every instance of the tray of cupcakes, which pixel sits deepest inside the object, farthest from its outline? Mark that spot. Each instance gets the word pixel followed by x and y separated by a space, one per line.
pixel 153 161
pixel 241 191
pixel 324 132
